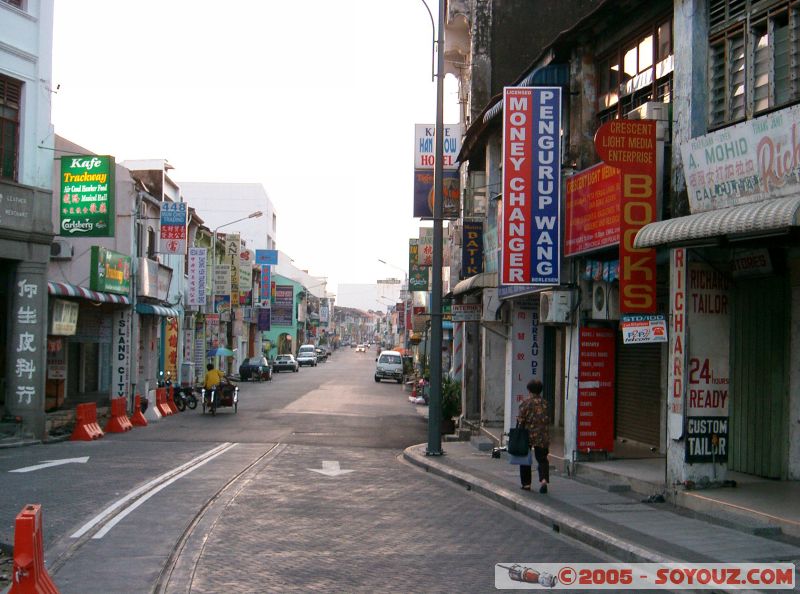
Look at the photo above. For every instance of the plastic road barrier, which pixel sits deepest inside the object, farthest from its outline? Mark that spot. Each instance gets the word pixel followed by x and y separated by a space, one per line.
pixel 30 575
pixel 119 421
pixel 138 419
pixel 161 402
pixel 86 427
pixel 171 399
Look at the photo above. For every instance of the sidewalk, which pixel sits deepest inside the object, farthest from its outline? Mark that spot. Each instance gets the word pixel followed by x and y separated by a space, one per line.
pixel 619 524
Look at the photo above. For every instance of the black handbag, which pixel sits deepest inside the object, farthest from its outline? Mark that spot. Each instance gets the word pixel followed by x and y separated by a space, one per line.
pixel 518 441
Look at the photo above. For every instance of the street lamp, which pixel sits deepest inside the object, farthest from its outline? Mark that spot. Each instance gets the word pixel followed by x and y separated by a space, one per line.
pixel 252 215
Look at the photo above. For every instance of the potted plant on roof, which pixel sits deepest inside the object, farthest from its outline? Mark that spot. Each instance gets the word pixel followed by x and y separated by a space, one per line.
pixel 451 404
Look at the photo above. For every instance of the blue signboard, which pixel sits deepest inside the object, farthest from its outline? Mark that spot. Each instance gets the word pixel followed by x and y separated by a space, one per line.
pixel 267 257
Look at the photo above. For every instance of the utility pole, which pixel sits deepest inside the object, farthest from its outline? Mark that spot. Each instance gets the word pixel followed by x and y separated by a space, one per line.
pixel 435 401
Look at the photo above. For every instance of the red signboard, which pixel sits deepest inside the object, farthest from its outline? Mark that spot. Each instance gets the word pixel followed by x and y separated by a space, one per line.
pixel 630 145
pixel 593 198
pixel 596 390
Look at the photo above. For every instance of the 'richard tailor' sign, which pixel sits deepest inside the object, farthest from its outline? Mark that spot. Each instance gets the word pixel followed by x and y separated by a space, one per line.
pixel 530 247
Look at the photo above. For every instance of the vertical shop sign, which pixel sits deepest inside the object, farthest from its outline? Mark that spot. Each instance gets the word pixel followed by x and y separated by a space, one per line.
pixel 121 347
pixel 677 343
pixel 708 365
pixel 264 319
pixel 596 390
pixel 425 246
pixel 26 348
pixel 531 244
pixel 471 249
pixel 197 276
pixel 526 352
pixel 87 196
pixel 417 275
pixel 245 272
pixel 200 353
pixel 171 350
pixel 593 202
pixel 233 247
pixel 630 145
pixel 173 228
pixel 265 287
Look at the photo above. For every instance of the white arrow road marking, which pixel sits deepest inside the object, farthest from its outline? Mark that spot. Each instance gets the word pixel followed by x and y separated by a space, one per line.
pixel 49 463
pixel 330 468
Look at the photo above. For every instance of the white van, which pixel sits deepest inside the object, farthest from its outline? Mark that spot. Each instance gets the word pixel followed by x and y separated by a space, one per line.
pixel 307 355
pixel 389 366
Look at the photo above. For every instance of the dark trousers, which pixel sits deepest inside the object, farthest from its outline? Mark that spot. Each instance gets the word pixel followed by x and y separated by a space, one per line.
pixel 543 467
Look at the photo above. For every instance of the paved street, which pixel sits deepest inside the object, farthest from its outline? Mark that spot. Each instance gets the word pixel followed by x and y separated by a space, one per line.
pixel 248 514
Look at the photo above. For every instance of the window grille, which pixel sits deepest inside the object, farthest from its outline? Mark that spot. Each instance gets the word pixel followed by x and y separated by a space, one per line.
pixel 10 98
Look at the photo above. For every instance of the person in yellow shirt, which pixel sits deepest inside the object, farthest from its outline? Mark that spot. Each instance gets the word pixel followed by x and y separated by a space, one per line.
pixel 213 377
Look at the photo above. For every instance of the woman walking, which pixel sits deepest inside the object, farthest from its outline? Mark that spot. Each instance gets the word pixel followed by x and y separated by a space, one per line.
pixel 534 416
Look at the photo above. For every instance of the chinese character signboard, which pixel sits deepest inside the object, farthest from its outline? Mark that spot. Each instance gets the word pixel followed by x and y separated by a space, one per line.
pixel 530 246
pixel 471 249
pixel 630 145
pixel 425 246
pixel 749 162
pixel 87 196
pixel 110 272
pixel 173 228
pixel 197 276
pixel 593 200
pixel 596 390
pixel 527 353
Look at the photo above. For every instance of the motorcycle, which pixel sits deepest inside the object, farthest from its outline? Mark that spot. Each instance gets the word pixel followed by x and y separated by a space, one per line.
pixel 185 398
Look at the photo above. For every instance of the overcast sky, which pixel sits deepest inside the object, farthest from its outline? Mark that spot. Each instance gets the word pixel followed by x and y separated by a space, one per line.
pixel 316 100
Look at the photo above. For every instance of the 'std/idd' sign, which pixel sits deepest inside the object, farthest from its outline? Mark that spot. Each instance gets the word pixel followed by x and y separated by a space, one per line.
pixel 530 248
pixel 630 145
pixel 87 196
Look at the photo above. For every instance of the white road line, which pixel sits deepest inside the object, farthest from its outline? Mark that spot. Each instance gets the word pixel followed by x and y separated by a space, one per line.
pixel 122 515
pixel 133 494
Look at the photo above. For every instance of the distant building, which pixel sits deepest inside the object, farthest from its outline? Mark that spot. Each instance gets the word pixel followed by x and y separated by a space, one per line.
pixel 221 203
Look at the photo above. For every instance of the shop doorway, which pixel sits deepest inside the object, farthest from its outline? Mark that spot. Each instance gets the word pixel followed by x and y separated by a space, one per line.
pixel 759 376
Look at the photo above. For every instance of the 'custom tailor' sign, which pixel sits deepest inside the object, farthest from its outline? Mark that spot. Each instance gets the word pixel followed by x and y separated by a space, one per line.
pixel 530 246
pixel 630 145
pixel 87 196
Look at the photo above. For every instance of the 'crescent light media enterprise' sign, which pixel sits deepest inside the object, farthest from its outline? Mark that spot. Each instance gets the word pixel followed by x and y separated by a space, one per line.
pixel 530 247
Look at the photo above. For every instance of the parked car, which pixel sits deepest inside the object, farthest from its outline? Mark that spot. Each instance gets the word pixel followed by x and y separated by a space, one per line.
pixel 255 368
pixel 361 348
pixel 307 358
pixel 285 363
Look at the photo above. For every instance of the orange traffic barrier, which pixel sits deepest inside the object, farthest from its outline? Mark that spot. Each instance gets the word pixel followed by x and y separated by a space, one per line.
pixel 161 402
pixel 171 399
pixel 119 421
pixel 30 575
pixel 86 427
pixel 137 419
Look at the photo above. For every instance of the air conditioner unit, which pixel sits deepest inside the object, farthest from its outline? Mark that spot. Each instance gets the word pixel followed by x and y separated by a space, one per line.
pixel 605 301
pixel 653 110
pixel 555 307
pixel 60 250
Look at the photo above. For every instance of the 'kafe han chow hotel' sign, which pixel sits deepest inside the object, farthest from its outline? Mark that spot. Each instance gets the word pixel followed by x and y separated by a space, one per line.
pixel 87 196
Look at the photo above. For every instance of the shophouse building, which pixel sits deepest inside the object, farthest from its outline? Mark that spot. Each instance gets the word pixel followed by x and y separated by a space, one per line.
pixel 26 231
pixel 708 255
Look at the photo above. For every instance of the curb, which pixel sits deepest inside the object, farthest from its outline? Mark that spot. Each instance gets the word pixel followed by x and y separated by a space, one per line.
pixel 544 514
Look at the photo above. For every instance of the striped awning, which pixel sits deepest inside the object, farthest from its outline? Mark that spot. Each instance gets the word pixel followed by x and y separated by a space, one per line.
pixel 157 310
pixel 68 290
pixel 768 217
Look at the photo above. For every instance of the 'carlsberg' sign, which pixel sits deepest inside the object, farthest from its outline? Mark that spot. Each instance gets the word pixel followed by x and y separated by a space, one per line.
pixel 87 196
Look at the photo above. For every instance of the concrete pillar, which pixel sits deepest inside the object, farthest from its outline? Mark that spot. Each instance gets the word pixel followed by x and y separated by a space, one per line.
pixel 27 349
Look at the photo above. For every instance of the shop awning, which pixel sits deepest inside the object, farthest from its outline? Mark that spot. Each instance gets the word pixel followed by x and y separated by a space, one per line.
pixel 769 217
pixel 68 290
pixel 479 281
pixel 157 310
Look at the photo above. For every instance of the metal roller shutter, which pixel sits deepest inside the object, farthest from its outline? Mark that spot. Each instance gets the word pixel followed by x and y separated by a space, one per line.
pixel 638 402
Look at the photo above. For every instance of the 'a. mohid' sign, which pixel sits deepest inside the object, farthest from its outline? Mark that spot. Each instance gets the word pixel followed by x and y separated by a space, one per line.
pixel 87 196
pixel 630 145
